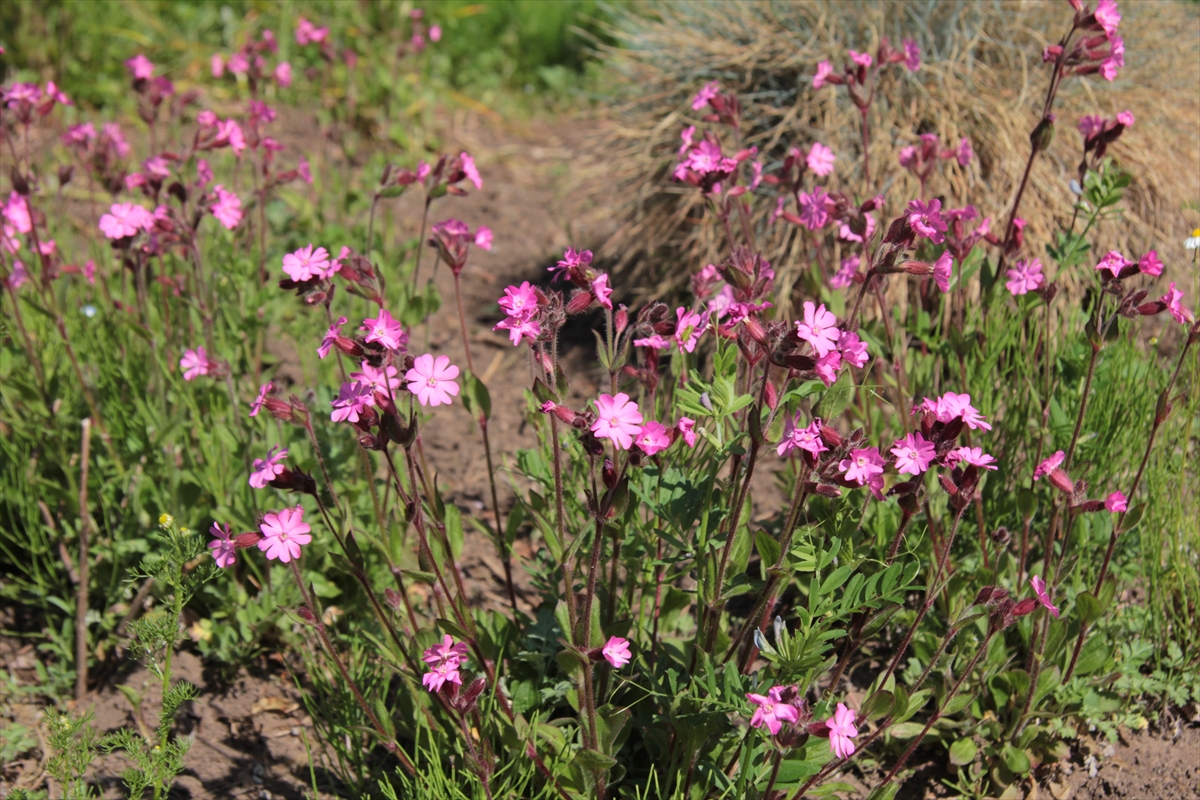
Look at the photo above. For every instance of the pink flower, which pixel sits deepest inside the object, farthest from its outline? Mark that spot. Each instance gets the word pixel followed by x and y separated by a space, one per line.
pixel 224 549
pixel 973 456
pixel 1174 300
pixel 616 652
pixel 304 171
pixel 652 438
pixel 913 454
pixel 306 264
pixel 380 379
pixel 813 211
pixel 1049 465
pixel 112 132
pixel 1115 60
pixel 307 33
pixel 266 470
pixel 797 438
pixel 435 33
pixel 432 380
pixel 283 534
pixel 842 731
pixel 263 391
pixel 18 277
pixel 1107 16
pixel 819 328
pixel 912 55
pixel 827 367
pixel 48 247
pixel 1126 118
pixel 195 363
pixel 942 270
pixel 56 95
pixel 853 349
pixel 439 676
pixel 862 465
pixel 217 65
pixel 483 237
pixel 229 134
pixel 686 137
pixel 824 70
pixel 1039 588
pixel 705 95
pixel 862 59
pixel 1114 262
pixel 283 74
pixel 1090 125
pixel 519 328
pixel 228 208
pixel 845 276
pixel 204 173
pixel 446 653
pixel 80 134
pixel 964 153
pixel 89 271
pixel 140 68
pixel 688 327
pixel 352 401
pixel 125 219
pixel 926 220
pixel 772 711
pixel 1025 277
pixel 951 406
pixel 1150 264
pixel 519 301
pixel 239 64
pixel 386 330
pixel 654 341
pixel 9 240
pixel 571 260
pixel 617 419
pixel 602 292
pixel 470 170
pixel 1116 503
pixel 687 429
pixel 331 337
pixel 820 159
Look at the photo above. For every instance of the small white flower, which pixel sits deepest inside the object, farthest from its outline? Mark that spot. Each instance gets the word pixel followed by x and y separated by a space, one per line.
pixel 1193 241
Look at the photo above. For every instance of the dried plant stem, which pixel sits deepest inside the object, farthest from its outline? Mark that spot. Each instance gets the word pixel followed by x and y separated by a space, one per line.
pixel 81 600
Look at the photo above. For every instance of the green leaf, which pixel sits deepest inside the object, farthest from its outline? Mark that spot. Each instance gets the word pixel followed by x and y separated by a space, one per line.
pixel 1089 607
pixel 906 730
pixel 1133 517
pixel 963 752
pixel 1095 655
pixel 592 759
pixel 454 530
pixel 957 704
pixel 452 629
pixel 768 548
pixel 835 400
pixel 836 578
pixel 1016 760
pixel 878 705
pixel 476 398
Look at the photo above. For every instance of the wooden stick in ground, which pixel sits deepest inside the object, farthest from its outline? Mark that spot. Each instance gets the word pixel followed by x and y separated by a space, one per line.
pixel 81 602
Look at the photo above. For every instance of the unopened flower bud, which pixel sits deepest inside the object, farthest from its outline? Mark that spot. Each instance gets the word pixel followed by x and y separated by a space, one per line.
pixel 829 436
pixel 609 472
pixel 621 320
pixel 827 490
pixel 393 599
pixel 771 395
pixel 1061 481
pixel 579 302
pixel 307 615
pixel 1043 134
pixel 247 539
pixel 1001 536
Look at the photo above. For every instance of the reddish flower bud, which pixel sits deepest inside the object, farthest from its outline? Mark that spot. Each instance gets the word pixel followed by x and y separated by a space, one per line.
pixel 772 395
pixel 579 302
pixel 621 320
pixel 1061 481
pixel 393 599
pixel 306 614
pixel 247 539
pixel 1024 607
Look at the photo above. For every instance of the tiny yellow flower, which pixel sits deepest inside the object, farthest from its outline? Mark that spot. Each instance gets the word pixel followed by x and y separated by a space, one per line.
pixel 166 520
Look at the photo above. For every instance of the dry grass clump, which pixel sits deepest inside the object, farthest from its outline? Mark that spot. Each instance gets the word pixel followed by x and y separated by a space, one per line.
pixel 982 78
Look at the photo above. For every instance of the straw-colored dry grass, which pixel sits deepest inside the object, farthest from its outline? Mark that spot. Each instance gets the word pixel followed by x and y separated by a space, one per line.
pixel 982 78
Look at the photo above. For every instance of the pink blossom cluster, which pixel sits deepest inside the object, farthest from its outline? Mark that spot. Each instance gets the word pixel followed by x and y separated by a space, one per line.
pixel 783 711
pixel 445 659
pixel 1102 52
pixel 520 305
pixel 452 238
